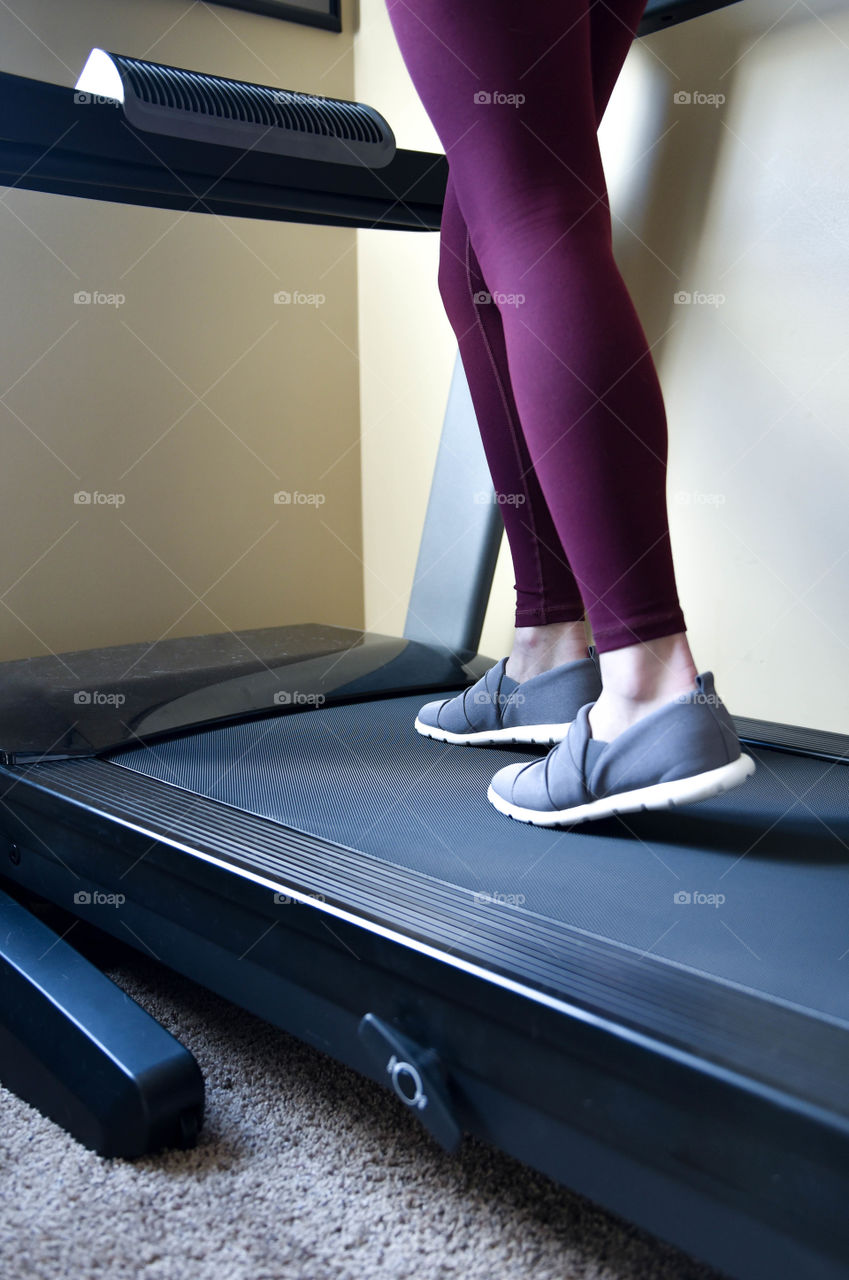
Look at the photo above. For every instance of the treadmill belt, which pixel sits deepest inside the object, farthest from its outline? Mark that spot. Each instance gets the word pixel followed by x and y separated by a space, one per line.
pixel 751 886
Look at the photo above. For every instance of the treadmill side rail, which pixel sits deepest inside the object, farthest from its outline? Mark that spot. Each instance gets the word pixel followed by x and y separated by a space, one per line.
pixel 81 1051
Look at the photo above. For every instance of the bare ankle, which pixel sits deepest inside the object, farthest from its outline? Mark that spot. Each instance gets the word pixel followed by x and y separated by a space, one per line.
pixel 538 649
pixel 649 672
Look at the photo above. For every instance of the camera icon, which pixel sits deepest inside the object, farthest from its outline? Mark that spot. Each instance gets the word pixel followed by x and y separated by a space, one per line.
pixel 82 499
pixel 682 898
pixel 681 298
pixel 282 698
pixel 682 97
pixel 283 498
pixel 82 698
pixel 82 898
pixel 82 97
pixel 482 297
pixel 82 298
pixel 483 96
pixel 282 297
pixel 282 899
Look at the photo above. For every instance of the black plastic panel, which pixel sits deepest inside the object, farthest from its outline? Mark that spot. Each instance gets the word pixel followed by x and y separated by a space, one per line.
pixel 77 1047
pixel 822 743
pixel 93 700
pixel 190 104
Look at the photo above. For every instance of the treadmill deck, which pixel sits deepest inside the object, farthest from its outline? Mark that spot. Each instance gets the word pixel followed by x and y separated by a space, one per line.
pixel 751 886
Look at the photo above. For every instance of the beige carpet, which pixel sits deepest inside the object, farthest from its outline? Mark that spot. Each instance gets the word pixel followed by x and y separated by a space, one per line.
pixel 303 1170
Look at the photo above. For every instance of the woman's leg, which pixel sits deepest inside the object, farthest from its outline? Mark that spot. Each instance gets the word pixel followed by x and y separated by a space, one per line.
pixel 550 627
pixel 511 95
pixel 549 618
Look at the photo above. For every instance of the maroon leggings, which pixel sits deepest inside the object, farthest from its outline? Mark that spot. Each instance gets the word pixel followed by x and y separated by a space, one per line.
pixel 564 387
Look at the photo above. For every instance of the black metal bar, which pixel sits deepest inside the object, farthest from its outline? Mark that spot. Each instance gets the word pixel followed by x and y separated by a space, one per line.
pixel 77 1048
pixel 461 534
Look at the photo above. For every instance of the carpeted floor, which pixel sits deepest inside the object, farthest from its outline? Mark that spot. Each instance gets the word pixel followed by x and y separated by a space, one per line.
pixel 304 1170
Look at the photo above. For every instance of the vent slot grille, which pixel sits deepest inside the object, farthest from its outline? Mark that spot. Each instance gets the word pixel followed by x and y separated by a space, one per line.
pixel 212 96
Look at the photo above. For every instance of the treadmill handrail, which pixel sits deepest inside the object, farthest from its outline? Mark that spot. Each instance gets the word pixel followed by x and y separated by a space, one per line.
pixel 49 142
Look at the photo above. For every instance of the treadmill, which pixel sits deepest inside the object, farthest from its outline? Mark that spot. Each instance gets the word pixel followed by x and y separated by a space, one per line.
pixel 652 1009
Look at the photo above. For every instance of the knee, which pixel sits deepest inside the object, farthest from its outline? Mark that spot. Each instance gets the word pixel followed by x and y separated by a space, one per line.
pixel 461 282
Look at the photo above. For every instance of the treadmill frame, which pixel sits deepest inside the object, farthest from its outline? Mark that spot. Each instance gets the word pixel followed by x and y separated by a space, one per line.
pixel 736 1150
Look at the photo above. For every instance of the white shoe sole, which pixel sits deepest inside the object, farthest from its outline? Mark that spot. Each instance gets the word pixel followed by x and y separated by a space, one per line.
pixel 544 735
pixel 662 795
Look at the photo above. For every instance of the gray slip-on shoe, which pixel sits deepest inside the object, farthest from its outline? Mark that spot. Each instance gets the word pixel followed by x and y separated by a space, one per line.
pixel 687 750
pixel 499 710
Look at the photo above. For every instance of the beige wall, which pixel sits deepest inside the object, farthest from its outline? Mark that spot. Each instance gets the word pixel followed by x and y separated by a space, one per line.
pixel 104 399
pixel 747 200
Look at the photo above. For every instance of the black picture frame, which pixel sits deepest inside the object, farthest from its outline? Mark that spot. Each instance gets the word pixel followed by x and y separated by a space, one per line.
pixel 311 13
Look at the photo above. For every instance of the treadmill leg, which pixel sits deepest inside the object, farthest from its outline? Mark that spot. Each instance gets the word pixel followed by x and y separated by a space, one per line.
pixel 76 1047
